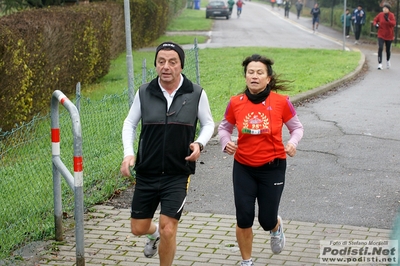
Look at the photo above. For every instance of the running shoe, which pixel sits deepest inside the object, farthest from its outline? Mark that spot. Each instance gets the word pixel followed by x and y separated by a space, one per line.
pixel 246 263
pixel 151 246
pixel 388 64
pixel 379 66
pixel 278 238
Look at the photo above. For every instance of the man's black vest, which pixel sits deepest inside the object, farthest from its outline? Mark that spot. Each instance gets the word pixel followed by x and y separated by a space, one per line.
pixel 166 134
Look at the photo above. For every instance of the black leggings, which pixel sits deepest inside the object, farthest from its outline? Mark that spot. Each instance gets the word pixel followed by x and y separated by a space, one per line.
pixel 347 30
pixel 388 45
pixel 286 13
pixel 264 183
pixel 357 31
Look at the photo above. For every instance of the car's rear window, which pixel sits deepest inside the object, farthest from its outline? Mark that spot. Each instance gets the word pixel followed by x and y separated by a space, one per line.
pixel 216 3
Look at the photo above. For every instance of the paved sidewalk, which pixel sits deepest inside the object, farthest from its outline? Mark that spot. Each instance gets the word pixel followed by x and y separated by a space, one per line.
pixel 203 239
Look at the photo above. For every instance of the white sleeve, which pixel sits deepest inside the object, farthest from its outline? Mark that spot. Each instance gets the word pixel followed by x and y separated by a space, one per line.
pixel 206 120
pixel 130 125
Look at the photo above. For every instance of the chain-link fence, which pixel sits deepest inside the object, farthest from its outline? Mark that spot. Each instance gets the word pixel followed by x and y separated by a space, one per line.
pixel 26 186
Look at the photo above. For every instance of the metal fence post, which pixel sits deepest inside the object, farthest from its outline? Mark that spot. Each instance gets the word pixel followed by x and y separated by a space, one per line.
pixel 78 96
pixel 196 55
pixel 144 71
pixel 75 182
pixel 129 58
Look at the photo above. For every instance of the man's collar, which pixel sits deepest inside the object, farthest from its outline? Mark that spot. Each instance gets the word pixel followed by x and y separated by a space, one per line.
pixel 179 85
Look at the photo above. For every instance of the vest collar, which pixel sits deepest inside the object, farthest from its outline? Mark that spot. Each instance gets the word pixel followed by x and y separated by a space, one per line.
pixel 186 87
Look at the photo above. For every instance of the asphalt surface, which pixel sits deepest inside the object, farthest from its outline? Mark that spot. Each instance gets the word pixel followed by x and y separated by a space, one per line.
pixel 347 167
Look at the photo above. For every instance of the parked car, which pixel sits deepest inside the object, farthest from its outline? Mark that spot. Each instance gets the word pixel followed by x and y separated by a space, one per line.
pixel 217 8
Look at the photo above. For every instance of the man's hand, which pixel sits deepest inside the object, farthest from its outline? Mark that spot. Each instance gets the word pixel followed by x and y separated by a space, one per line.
pixel 129 161
pixel 195 148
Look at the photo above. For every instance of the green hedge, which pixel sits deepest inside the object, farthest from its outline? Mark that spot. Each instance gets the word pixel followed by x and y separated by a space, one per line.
pixel 45 49
pixel 42 50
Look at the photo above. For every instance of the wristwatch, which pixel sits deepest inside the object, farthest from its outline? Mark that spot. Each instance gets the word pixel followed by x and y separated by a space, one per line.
pixel 200 145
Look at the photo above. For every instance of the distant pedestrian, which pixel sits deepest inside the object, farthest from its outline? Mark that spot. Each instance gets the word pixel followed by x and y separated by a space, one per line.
pixel 346 21
pixel 359 20
pixel 239 6
pixel 315 13
pixel 231 3
pixel 287 5
pixel 279 4
pixel 259 166
pixel 299 8
pixel 385 22
pixel 273 3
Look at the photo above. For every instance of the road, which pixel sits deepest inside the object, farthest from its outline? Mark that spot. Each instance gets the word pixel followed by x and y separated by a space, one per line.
pixel 347 167
pixel 259 25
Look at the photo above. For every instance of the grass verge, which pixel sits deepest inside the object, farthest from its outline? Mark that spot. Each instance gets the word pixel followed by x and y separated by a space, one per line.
pixel 222 75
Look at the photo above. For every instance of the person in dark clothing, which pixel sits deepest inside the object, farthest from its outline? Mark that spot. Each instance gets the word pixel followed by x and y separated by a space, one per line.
pixel 231 3
pixel 299 8
pixel 346 18
pixel 315 12
pixel 359 20
pixel 168 108
pixel 287 5
pixel 385 22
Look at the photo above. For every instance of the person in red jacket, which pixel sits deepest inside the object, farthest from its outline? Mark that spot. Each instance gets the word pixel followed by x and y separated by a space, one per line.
pixel 239 5
pixel 385 23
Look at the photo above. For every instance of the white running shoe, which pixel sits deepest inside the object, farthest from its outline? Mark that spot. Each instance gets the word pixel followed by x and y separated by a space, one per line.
pixel 379 66
pixel 151 246
pixel 388 64
pixel 278 238
pixel 247 263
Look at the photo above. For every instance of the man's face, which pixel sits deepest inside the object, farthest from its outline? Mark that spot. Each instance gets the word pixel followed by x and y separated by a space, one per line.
pixel 168 66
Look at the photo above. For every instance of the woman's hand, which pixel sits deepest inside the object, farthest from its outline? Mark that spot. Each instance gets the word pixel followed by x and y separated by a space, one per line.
pixel 231 148
pixel 290 149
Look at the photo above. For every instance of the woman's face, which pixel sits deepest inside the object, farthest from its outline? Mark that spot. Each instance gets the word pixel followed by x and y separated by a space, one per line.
pixel 385 9
pixel 257 77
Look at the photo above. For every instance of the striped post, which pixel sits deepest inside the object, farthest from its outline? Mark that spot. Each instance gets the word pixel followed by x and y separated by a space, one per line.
pixel 59 168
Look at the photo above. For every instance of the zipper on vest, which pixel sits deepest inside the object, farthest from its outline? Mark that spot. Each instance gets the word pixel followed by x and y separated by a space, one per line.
pixel 164 139
pixel 176 112
pixel 183 104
